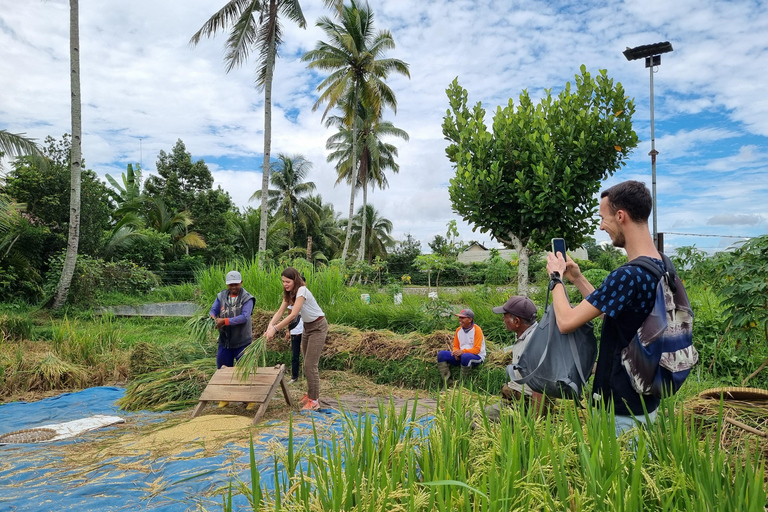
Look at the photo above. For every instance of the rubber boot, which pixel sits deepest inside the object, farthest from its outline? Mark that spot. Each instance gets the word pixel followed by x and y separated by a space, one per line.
pixel 445 372
pixel 466 372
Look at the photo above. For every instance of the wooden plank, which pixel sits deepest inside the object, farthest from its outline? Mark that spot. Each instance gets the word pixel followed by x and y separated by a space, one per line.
pixel 199 408
pixel 270 370
pixel 286 394
pixel 263 408
pixel 223 378
pixel 234 394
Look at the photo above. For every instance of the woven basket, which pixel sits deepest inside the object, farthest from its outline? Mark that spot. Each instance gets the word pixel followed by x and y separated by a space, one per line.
pixel 736 393
pixel 28 435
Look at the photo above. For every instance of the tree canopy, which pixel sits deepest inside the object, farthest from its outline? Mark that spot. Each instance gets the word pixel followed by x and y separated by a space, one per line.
pixel 535 174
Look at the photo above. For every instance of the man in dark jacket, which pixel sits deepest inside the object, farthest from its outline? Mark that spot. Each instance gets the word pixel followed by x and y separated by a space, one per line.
pixel 232 312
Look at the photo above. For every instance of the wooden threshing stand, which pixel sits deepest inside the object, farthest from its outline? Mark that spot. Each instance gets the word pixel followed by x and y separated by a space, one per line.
pixel 258 388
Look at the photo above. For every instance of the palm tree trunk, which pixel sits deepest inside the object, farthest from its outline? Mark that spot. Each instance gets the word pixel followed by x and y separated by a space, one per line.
pixel 354 177
pixel 267 129
pixel 62 290
pixel 363 229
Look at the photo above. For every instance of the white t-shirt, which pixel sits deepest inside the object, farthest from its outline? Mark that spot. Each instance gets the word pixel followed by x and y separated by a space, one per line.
pixel 299 329
pixel 310 310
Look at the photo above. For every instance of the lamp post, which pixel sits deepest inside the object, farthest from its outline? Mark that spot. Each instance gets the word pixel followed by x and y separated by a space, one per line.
pixel 652 54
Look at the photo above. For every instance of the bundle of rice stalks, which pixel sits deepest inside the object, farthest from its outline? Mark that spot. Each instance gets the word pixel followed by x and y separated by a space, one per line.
pixel 168 390
pixel 145 357
pixel 432 343
pixel 201 328
pixel 254 356
pixel 50 372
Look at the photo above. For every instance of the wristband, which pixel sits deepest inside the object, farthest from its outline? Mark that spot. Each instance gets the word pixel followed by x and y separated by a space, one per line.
pixel 554 278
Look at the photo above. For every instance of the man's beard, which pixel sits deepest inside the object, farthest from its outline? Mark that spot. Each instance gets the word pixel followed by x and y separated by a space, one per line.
pixel 619 241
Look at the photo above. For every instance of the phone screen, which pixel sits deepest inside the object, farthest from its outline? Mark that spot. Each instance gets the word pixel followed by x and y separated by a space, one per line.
pixel 558 245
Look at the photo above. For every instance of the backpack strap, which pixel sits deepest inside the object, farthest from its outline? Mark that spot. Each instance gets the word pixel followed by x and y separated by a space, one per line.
pixel 647 263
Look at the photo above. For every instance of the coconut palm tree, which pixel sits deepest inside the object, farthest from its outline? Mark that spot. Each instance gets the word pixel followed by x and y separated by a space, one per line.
pixel 247 228
pixel 286 198
pixel 16 144
pixel 354 56
pixel 378 238
pixel 327 235
pixel 70 260
pixel 177 225
pixel 374 158
pixel 255 25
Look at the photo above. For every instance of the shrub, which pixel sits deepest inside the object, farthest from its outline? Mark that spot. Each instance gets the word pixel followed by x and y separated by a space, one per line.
pixel 94 276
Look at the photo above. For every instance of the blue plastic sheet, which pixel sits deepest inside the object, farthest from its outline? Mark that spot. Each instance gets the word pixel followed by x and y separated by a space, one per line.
pixel 42 477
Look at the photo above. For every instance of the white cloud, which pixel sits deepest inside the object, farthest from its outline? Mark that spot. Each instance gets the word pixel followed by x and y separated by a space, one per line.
pixel 141 80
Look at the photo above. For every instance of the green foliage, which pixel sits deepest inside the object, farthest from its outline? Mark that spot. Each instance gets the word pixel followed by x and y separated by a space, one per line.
pixel 595 276
pixel 498 270
pixel 15 327
pixel 401 259
pixel 148 249
pixel 463 461
pixel 45 191
pixel 94 277
pixel 746 289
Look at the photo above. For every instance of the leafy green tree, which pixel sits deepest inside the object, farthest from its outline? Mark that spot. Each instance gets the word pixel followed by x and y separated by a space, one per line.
pixel 128 195
pixel 447 246
pixel 431 263
pixel 354 57
pixel 186 186
pixel 176 225
pixel 286 199
pixel 536 174
pixel 76 158
pixel 401 260
pixel 178 178
pixel 45 192
pixel 255 25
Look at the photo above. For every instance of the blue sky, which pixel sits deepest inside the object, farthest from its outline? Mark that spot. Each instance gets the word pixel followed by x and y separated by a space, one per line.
pixel 143 88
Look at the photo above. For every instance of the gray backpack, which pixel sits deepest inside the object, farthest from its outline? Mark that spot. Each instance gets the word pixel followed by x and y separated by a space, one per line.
pixel 555 364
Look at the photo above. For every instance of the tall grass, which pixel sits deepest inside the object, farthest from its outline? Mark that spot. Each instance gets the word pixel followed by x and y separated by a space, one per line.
pixel 569 461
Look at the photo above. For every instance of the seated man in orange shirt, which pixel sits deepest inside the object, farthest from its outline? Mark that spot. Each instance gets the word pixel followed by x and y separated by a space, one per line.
pixel 468 347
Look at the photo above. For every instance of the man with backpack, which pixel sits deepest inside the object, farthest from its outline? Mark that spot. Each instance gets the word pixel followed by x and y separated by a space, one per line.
pixel 625 299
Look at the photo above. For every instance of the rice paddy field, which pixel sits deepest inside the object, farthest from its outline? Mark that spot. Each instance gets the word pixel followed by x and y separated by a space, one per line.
pixel 387 436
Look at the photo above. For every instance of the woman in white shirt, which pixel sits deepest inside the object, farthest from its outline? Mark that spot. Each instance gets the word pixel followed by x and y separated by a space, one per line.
pixel 297 295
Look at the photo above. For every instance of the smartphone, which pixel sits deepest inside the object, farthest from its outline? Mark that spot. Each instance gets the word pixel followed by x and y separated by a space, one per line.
pixel 558 246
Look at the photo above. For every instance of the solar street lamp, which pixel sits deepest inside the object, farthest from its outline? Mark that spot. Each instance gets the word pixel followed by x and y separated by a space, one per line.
pixel 652 54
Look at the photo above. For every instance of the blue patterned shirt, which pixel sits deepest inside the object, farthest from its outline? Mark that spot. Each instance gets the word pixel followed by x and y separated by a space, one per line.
pixel 626 288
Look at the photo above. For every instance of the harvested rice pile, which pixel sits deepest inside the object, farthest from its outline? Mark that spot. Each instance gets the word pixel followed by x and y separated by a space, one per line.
pixel 744 416
pixel 204 431
pixel 381 344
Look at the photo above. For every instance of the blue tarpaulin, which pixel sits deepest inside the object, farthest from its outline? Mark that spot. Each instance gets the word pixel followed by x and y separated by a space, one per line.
pixel 60 476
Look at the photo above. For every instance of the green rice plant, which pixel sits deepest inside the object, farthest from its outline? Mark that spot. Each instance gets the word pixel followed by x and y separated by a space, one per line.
pixel 251 358
pixel 569 460
pixel 172 389
pixel 87 346
pixel 15 327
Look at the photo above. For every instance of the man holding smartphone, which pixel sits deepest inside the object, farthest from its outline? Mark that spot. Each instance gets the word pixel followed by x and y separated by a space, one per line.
pixel 624 299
